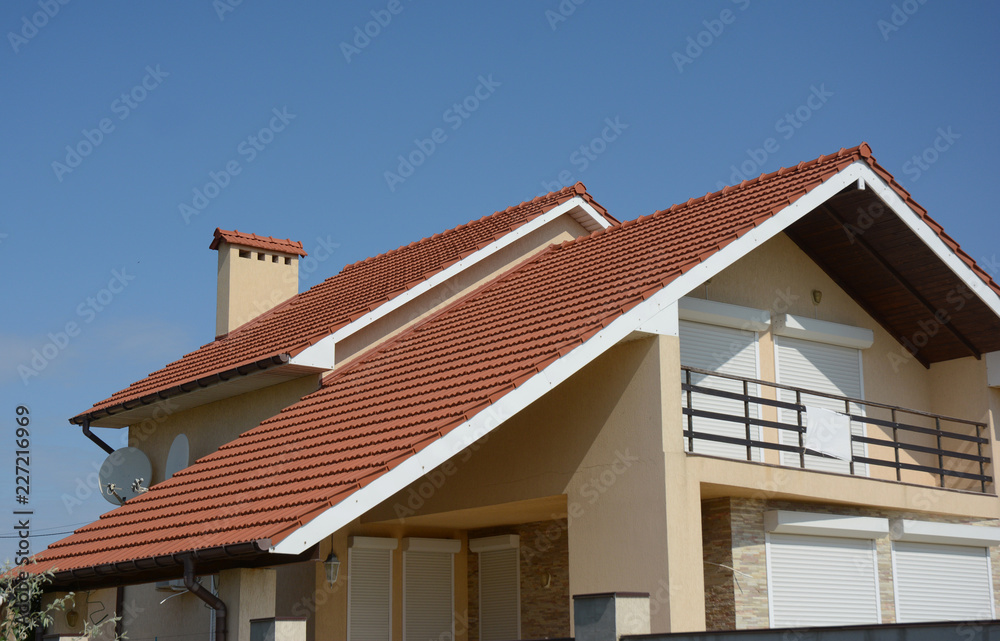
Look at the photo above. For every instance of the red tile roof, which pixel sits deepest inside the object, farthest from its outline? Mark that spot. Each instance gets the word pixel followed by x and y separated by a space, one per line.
pixel 258 242
pixel 359 288
pixel 391 402
pixel 388 404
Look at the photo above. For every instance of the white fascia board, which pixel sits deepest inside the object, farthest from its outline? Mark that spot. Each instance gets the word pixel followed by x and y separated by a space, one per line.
pixel 819 524
pixel 320 355
pixel 946 533
pixel 929 237
pixel 992 369
pixel 372 543
pixel 663 324
pixel 416 544
pixel 464 435
pixel 493 543
pixel 724 314
pixel 820 331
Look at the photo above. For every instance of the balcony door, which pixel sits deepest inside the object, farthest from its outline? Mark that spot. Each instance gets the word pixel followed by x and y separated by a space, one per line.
pixel 825 368
pixel 728 351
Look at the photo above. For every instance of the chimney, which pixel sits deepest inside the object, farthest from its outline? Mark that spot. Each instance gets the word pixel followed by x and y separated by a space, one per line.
pixel 256 273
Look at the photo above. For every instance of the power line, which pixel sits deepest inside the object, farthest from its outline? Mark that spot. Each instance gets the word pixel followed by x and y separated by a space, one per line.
pixel 33 536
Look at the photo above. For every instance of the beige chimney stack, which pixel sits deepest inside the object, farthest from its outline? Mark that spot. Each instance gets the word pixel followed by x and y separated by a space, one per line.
pixel 256 273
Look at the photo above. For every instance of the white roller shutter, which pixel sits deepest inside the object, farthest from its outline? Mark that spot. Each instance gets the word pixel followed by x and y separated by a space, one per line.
pixel 499 600
pixel 369 594
pixel 935 582
pixel 428 596
pixel 824 368
pixel 819 580
pixel 729 351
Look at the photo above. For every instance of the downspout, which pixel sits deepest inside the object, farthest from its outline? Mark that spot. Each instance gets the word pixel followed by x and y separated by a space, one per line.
pixel 213 601
pixel 95 438
pixel 120 612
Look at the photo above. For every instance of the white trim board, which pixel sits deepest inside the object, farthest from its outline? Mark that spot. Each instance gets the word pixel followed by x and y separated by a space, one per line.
pixel 493 543
pixel 945 533
pixel 821 524
pixel 712 312
pixel 820 331
pixel 486 421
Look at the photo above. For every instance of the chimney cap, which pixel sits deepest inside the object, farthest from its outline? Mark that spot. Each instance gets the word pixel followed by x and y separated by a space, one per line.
pixel 269 243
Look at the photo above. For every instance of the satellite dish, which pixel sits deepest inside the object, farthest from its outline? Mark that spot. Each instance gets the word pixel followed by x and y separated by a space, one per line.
pixel 178 457
pixel 124 475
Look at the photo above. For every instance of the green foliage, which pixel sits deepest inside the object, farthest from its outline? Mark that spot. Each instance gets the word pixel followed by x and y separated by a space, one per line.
pixel 22 609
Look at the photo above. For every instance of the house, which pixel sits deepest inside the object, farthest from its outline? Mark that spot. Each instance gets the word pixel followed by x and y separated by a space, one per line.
pixel 769 406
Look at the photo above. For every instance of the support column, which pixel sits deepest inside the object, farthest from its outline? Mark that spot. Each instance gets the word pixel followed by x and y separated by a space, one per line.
pixel 248 594
pixel 685 592
pixel 615 501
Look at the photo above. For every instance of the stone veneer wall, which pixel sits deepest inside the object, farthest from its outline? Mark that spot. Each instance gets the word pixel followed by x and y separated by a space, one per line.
pixel 544 567
pixel 717 551
pixel 743 520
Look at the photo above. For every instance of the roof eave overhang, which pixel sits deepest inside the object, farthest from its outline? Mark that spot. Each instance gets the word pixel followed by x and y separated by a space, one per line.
pixel 168 567
pixel 638 319
pixel 232 382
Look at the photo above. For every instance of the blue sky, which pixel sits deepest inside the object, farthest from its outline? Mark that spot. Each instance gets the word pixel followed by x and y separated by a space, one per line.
pixel 132 130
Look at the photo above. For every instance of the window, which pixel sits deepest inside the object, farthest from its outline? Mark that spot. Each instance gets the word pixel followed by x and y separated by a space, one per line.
pixel 429 589
pixel 499 587
pixel 822 568
pixel 369 588
pixel 820 580
pixel 941 571
pixel 721 338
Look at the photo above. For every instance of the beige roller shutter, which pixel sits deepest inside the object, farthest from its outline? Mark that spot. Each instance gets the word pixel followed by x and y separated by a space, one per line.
pixel 369 594
pixel 935 582
pixel 428 596
pixel 729 351
pixel 820 580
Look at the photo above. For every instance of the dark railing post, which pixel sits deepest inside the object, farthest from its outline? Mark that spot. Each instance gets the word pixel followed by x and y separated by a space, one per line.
pixel 979 453
pixel 937 425
pixel 850 426
pixel 802 440
pixel 895 444
pixel 690 414
pixel 746 417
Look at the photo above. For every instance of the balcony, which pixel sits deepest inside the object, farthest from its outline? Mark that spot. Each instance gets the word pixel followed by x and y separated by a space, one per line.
pixel 766 422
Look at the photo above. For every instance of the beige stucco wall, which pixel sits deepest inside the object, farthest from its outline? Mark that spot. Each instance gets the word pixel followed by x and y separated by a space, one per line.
pixel 209 426
pixel 248 287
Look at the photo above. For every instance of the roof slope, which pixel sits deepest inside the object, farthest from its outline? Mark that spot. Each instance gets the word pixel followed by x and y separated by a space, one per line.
pixel 359 288
pixel 390 403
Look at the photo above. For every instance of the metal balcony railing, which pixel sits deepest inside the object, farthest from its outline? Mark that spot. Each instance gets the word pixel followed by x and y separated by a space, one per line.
pixel 918 445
